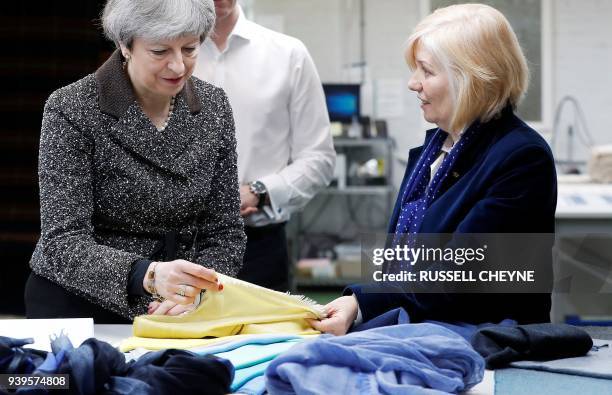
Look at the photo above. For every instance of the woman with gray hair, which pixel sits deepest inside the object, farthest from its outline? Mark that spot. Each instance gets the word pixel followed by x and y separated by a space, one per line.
pixel 138 179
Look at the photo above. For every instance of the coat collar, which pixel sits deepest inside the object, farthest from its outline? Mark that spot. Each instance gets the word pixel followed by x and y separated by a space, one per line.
pixel 115 90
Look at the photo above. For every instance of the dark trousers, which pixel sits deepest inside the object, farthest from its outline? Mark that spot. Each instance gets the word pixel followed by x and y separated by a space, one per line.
pixel 266 259
pixel 45 299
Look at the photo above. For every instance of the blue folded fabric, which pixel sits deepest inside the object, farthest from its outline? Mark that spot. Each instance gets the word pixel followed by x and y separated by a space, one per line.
pixel 251 360
pixel 407 358
pixel 96 367
pixel 234 344
pixel 255 386
pixel 250 356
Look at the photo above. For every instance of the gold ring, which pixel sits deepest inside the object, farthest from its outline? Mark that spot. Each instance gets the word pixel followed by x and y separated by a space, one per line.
pixel 182 290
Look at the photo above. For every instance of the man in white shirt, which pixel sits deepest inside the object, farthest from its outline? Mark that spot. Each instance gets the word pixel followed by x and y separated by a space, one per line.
pixel 285 149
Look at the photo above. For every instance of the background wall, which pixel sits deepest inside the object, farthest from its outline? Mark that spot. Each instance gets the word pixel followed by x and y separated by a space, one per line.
pixel 582 60
pixel 45 46
pixel 581 37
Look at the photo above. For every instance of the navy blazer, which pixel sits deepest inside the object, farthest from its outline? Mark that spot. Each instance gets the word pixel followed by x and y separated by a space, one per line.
pixel 505 182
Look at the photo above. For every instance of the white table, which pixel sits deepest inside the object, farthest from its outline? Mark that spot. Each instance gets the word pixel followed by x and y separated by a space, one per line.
pixel 583 207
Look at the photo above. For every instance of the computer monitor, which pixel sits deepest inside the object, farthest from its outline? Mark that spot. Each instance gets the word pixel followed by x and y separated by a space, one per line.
pixel 342 101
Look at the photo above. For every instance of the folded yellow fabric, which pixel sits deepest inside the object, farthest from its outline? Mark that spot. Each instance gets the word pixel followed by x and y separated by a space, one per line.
pixel 134 342
pixel 241 308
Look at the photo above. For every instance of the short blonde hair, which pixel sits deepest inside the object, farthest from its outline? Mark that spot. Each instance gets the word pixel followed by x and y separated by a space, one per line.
pixel 477 47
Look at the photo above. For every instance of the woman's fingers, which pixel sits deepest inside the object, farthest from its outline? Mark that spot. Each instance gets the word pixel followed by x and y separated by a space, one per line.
pixel 201 277
pixel 199 271
pixel 180 280
pixel 153 306
pixel 334 325
pixel 180 309
pixel 198 282
pixel 340 316
pixel 163 307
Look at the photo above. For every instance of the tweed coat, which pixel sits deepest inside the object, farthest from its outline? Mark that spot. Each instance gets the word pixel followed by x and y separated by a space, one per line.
pixel 112 187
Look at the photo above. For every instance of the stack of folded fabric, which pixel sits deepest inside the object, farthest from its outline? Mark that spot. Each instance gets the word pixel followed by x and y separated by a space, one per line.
pixel 600 164
pixel 250 357
pixel 246 324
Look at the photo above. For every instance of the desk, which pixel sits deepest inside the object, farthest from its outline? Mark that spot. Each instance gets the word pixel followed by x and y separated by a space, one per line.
pixel 583 207
pixel 112 334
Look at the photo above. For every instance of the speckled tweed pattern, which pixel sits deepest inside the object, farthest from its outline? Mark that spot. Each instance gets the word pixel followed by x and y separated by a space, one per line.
pixel 111 185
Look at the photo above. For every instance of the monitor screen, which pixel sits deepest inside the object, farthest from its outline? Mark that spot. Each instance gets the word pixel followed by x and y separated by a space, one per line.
pixel 342 101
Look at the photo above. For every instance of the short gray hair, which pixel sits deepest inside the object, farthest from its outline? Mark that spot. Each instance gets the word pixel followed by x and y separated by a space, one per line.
pixel 123 20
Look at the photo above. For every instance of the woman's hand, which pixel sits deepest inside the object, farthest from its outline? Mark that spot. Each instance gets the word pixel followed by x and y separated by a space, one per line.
pixel 180 281
pixel 341 313
pixel 168 307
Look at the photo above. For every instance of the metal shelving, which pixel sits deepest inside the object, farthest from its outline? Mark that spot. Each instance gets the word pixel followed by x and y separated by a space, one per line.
pixel 349 147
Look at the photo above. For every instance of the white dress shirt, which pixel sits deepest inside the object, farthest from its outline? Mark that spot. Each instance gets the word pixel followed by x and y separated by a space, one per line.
pixel 282 125
pixel 447 146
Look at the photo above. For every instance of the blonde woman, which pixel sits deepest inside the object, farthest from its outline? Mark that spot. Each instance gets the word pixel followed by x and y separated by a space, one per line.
pixel 482 170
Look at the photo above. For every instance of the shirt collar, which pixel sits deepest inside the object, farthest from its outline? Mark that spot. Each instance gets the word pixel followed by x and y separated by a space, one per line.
pixel 242 28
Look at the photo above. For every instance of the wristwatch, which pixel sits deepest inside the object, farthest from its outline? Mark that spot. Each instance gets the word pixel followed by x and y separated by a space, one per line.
pixel 258 188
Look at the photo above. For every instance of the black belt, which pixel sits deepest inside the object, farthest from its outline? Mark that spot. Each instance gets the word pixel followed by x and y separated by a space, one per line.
pixel 167 243
pixel 263 230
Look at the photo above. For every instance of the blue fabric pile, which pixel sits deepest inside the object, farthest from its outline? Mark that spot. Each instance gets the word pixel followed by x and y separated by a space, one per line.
pixel 408 358
pixel 96 367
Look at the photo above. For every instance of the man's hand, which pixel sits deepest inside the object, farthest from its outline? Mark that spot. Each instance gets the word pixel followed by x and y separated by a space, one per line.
pixel 248 201
pixel 341 313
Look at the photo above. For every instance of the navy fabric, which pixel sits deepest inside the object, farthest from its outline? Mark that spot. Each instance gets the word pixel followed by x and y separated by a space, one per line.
pixel 413 197
pixel 15 359
pixel 539 342
pixel 399 316
pixel 398 359
pixel 504 181
pixel 96 367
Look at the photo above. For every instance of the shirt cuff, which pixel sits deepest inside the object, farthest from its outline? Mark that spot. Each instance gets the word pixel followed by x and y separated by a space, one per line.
pixel 359 318
pixel 137 274
pixel 349 292
pixel 277 192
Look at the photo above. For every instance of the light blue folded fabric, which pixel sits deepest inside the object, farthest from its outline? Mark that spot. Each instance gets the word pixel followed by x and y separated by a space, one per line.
pixel 246 375
pixel 255 386
pixel 255 354
pixel 400 359
pixel 242 341
pixel 251 357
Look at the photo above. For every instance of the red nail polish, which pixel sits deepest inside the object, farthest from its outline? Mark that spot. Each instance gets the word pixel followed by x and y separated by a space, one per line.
pixel 220 287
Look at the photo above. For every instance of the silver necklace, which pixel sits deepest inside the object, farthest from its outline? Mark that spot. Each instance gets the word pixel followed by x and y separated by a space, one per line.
pixel 170 110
